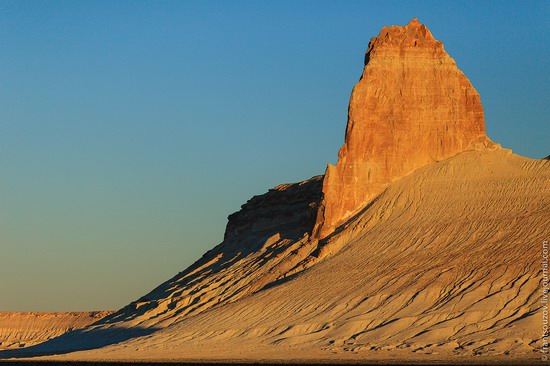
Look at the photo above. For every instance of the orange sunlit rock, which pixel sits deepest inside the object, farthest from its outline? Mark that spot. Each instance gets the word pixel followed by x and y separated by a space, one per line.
pixel 412 106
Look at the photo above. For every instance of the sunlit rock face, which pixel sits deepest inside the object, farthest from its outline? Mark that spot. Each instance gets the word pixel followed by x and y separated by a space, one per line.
pixel 412 106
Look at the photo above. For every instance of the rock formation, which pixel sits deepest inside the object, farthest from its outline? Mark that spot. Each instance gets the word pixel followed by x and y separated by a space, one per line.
pixel 412 106
pixel 435 249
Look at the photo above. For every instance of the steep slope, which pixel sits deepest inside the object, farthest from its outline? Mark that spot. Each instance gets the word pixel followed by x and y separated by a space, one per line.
pixel 446 261
pixel 412 106
pixel 18 329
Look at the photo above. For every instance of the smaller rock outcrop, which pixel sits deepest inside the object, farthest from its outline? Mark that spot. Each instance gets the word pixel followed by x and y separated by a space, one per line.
pixel 263 242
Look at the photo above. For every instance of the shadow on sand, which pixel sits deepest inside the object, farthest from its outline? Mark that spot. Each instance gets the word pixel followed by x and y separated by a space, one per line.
pixel 78 340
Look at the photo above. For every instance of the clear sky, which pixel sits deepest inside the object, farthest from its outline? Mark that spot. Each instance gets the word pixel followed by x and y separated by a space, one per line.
pixel 129 130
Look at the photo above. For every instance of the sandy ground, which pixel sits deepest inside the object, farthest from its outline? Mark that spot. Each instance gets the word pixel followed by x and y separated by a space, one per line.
pixel 444 266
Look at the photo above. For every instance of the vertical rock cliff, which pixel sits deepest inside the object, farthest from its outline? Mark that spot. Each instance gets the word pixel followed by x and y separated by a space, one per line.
pixel 412 106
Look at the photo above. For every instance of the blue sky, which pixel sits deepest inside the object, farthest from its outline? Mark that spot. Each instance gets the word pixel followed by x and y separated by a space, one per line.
pixel 129 130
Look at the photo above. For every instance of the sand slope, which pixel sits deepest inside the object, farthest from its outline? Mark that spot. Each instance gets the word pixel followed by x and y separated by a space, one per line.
pixel 444 263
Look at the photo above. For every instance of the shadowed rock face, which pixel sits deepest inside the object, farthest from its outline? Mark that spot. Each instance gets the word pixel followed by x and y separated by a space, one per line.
pixel 412 106
pixel 287 207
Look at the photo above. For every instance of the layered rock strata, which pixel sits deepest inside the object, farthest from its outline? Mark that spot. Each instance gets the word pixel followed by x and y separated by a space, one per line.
pixel 23 329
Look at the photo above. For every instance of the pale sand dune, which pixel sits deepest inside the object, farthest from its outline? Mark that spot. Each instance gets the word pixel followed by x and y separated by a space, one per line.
pixel 23 329
pixel 444 264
